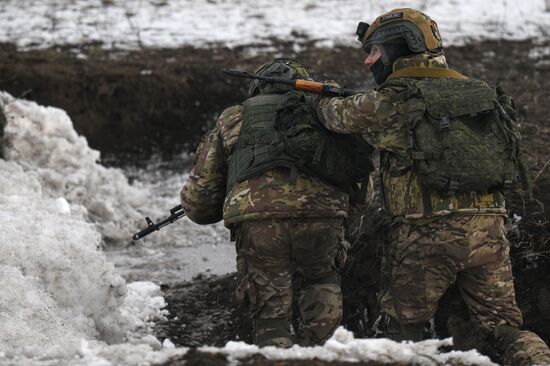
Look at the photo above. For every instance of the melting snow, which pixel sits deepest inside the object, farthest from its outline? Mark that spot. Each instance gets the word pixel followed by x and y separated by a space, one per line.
pixel 203 23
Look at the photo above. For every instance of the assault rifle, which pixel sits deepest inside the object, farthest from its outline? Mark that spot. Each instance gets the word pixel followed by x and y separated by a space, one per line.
pixel 298 84
pixel 175 214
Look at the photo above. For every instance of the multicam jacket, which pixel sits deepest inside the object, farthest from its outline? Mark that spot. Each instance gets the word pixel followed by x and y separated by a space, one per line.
pixel 268 195
pixel 380 119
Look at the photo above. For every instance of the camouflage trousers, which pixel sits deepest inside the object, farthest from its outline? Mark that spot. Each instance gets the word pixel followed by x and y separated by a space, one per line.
pixel 269 255
pixel 469 250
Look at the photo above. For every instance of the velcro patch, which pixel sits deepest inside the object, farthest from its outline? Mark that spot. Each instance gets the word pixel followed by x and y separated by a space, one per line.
pixel 391 17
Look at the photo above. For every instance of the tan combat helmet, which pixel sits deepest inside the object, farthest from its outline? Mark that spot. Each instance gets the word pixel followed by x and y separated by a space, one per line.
pixel 419 31
pixel 285 68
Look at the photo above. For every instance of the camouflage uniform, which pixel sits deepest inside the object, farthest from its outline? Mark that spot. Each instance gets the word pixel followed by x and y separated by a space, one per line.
pixel 435 240
pixel 281 228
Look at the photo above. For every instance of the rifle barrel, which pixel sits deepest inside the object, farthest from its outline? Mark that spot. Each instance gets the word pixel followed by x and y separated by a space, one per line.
pixel 249 75
pixel 175 214
pixel 240 74
pixel 148 230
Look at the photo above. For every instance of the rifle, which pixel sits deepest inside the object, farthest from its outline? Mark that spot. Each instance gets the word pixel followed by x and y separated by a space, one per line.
pixel 298 84
pixel 175 214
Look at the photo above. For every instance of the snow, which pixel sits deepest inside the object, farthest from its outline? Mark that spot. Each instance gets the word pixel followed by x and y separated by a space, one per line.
pixel 203 23
pixel 342 346
pixel 61 297
pixel 70 173
pixel 167 343
pixel 57 287
pixel 69 169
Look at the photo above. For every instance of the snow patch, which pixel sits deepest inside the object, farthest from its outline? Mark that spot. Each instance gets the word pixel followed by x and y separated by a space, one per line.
pixel 43 141
pixel 342 346
pixel 171 23
pixel 57 286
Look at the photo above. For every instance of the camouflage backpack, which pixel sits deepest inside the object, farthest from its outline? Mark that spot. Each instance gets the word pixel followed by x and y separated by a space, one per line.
pixel 463 139
pixel 282 130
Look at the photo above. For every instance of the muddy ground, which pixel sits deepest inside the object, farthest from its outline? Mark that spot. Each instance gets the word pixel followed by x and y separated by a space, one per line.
pixel 132 104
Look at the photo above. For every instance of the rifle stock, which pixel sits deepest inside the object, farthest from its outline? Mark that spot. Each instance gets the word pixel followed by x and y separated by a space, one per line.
pixel 307 86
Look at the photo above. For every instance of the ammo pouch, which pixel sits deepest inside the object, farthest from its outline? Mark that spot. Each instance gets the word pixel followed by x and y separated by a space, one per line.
pixel 464 141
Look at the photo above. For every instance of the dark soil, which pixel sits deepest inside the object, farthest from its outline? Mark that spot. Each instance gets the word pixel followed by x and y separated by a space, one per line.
pixel 220 318
pixel 198 358
pixel 134 103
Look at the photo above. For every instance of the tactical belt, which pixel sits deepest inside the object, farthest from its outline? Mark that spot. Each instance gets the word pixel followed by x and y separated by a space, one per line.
pixel 426 72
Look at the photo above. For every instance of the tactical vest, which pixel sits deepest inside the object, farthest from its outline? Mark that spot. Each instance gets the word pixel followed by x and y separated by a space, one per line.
pixel 283 130
pixel 464 140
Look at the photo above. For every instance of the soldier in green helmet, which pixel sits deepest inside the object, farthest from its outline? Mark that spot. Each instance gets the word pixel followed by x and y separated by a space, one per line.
pixel 282 184
pixel 449 148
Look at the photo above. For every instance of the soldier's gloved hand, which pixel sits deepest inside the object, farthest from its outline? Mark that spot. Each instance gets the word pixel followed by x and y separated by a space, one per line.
pixel 332 83
pixel 315 99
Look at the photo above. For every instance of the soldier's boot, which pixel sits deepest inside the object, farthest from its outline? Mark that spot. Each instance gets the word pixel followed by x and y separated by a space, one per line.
pixel 405 332
pixel 467 336
pixel 321 310
pixel 272 332
pixel 521 348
